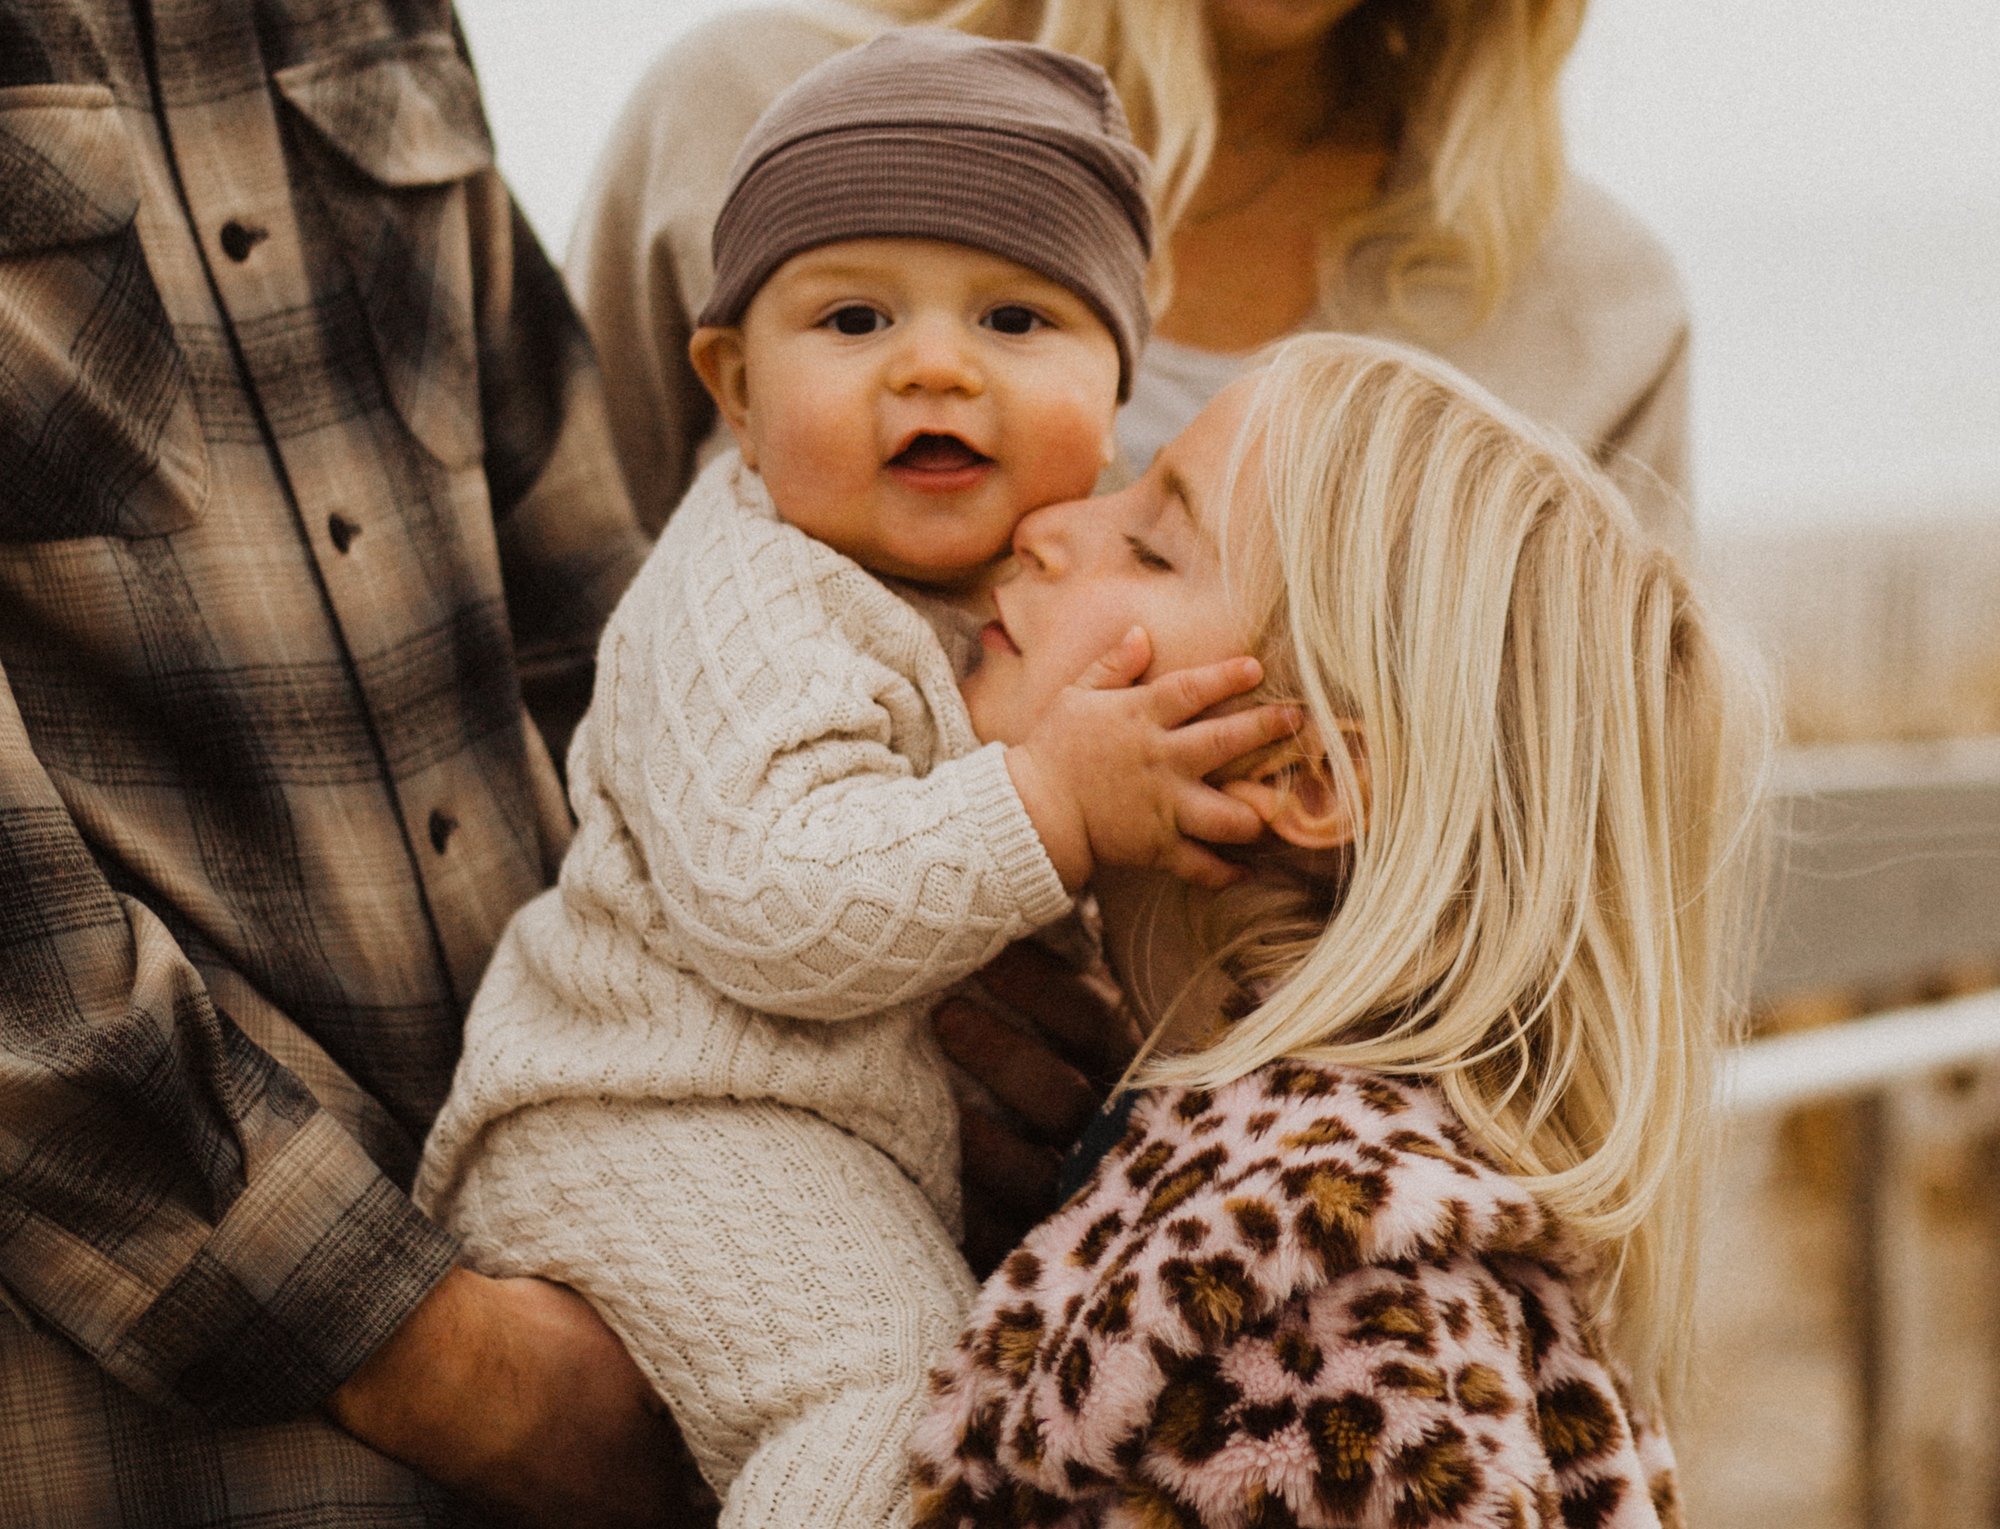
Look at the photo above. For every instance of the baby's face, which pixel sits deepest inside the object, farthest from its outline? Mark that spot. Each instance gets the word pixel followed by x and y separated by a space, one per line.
pixel 1152 555
pixel 908 401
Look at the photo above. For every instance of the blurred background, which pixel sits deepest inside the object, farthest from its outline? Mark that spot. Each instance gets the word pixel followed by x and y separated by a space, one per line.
pixel 1827 173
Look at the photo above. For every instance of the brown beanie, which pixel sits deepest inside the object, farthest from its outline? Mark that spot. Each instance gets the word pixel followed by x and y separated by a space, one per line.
pixel 926 133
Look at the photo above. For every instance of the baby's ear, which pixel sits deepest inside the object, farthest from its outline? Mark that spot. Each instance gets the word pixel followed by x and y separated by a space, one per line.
pixel 1293 788
pixel 716 354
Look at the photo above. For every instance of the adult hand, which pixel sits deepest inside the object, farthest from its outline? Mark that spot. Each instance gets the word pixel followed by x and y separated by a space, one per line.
pixel 513 1393
pixel 1048 1072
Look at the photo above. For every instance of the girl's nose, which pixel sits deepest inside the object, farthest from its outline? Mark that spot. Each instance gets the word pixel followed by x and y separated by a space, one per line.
pixel 935 356
pixel 1034 540
pixel 1057 539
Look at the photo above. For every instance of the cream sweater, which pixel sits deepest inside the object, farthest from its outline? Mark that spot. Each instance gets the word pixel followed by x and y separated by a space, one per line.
pixel 1591 340
pixel 788 840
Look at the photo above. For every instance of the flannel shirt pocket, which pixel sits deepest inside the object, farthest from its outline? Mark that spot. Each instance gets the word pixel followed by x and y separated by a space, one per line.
pixel 98 430
pixel 396 129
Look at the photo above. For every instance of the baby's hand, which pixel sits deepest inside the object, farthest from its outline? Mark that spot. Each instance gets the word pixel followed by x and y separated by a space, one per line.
pixel 1112 773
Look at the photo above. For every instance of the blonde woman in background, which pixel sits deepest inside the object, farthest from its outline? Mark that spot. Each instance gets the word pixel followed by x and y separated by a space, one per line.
pixel 1392 167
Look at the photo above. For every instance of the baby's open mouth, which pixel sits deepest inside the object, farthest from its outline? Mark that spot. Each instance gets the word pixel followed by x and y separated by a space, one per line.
pixel 931 453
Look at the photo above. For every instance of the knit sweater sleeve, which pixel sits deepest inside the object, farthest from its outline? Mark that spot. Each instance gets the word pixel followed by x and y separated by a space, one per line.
pixel 781 743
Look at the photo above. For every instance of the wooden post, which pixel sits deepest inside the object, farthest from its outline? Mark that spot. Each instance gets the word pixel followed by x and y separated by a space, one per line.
pixel 1867 1256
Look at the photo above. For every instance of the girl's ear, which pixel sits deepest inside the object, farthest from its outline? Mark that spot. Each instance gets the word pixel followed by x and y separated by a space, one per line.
pixel 717 357
pixel 1293 789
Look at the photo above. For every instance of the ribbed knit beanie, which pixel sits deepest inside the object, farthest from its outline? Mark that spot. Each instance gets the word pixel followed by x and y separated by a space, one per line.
pixel 926 133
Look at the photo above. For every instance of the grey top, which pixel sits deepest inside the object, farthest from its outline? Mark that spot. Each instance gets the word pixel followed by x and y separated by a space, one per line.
pixel 1175 382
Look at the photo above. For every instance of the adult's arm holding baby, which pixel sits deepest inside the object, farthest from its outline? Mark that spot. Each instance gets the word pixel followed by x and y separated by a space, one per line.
pixel 514 1393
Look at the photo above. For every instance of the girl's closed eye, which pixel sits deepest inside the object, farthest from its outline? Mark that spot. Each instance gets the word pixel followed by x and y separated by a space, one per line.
pixel 855 320
pixel 1014 319
pixel 1147 555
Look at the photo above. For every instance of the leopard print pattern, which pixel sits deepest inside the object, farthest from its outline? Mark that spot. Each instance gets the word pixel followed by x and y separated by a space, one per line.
pixel 1301 1301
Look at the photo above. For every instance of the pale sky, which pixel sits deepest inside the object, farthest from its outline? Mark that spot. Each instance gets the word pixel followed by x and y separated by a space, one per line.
pixel 1826 171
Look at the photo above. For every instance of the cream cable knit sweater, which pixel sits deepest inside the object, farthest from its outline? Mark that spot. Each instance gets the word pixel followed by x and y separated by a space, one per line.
pixel 788 840
pixel 685 1056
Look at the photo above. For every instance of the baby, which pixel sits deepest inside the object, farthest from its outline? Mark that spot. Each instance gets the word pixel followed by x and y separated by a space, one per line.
pixel 698 1084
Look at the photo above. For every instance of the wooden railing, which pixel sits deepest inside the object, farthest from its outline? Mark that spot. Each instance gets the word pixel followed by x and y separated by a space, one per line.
pixel 1877 1064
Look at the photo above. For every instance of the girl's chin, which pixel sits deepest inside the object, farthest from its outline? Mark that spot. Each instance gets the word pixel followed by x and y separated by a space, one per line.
pixel 986 703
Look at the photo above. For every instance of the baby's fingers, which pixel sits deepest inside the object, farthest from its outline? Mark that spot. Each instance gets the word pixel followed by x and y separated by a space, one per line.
pixel 1202 867
pixel 1202 748
pixel 1188 693
pixel 1201 812
pixel 1120 664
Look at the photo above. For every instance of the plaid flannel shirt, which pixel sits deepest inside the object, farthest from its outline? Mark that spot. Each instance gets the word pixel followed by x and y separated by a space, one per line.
pixel 303 480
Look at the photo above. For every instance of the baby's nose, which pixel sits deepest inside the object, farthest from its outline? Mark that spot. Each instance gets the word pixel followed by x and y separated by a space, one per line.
pixel 935 357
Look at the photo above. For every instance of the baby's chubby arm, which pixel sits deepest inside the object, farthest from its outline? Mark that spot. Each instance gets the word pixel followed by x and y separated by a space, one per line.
pixel 1113 773
pixel 745 786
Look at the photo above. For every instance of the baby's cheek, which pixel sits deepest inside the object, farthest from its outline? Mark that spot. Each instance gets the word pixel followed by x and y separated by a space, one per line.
pixel 1072 449
pixel 802 445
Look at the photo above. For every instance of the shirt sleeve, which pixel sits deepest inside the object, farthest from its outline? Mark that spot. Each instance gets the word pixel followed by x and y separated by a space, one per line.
pixel 872 887
pixel 172 1200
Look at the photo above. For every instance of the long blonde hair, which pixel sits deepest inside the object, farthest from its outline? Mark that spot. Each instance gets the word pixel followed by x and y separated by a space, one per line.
pixel 1561 761
pixel 1466 90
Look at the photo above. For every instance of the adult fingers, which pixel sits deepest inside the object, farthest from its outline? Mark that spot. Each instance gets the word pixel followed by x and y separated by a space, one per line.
pixel 1005 1170
pixel 594 1448
pixel 1121 663
pixel 990 1235
pixel 1020 1070
pixel 1187 693
pixel 1078 1013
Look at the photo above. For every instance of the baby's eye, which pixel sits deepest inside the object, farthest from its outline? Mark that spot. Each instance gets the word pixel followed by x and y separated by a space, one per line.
pixel 1014 318
pixel 856 319
pixel 1146 556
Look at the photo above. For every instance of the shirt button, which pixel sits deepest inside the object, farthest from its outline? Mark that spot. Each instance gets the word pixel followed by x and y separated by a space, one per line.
pixel 443 826
pixel 239 239
pixel 341 530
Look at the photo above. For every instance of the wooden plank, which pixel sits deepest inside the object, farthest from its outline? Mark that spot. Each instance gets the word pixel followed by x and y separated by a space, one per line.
pixel 1888 865
pixel 1861 1056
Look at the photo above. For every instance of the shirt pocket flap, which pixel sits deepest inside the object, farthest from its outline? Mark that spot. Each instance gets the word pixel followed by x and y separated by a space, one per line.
pixel 394 136
pixel 99 433
pixel 67 167
pixel 404 114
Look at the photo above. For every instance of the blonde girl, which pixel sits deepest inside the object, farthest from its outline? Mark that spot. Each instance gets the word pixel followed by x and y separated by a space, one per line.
pixel 1401 1229
pixel 1381 166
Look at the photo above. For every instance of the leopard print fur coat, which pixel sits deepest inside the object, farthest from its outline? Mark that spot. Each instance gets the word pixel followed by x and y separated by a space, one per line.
pixel 1304 1299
